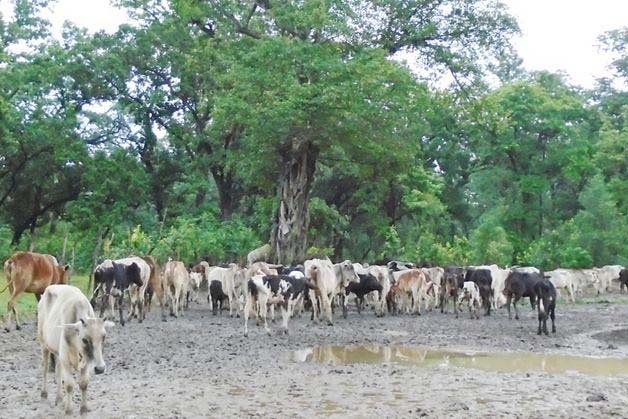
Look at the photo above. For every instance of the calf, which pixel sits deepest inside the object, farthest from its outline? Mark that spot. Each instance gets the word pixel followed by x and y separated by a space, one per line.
pixel 411 286
pixel 471 294
pixel 520 285
pixel 368 283
pixel 483 278
pixel 217 296
pixel 449 291
pixel 382 274
pixel 392 299
pixel 546 294
pixel 227 277
pixel 30 272
pixel 68 331
pixel 155 286
pixel 623 280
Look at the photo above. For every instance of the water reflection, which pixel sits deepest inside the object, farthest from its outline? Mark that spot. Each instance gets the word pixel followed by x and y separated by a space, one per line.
pixel 499 362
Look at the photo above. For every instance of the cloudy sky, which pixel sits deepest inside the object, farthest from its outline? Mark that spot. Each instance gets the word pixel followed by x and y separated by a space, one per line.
pixel 556 34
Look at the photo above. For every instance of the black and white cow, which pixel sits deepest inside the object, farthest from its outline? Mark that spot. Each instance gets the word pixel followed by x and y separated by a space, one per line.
pixel 546 295
pixel 113 279
pixel 483 279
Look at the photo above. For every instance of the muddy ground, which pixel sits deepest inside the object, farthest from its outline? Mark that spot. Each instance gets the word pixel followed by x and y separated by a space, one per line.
pixel 203 366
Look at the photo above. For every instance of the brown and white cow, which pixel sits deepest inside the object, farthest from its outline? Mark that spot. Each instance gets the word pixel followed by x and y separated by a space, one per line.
pixel 68 330
pixel 31 272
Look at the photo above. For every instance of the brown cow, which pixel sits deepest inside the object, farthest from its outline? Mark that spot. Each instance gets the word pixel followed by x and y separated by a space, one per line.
pixel 411 284
pixel 31 272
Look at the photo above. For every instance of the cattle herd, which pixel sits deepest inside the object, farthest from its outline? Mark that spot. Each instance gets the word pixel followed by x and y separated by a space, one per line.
pixel 72 335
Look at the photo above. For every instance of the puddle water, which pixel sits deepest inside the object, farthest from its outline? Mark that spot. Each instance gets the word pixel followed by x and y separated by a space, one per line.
pixel 497 362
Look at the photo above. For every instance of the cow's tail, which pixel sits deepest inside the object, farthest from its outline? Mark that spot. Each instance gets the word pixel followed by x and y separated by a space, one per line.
pixel 8 269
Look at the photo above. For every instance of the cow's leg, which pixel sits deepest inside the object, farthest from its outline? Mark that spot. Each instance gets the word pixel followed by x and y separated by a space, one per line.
pixel 272 313
pixel 83 381
pixel 121 308
pixel 285 315
pixel 416 301
pixel 571 293
pixel 263 300
pixel 326 305
pixel 103 303
pixel 68 385
pixel 345 309
pixel 314 303
pixel 514 304
pixel 12 310
pixel 508 300
pixel 248 305
pixel 540 318
pixel 533 301
pixel 45 354
pixel 59 379
pixel 552 308
pixel 140 305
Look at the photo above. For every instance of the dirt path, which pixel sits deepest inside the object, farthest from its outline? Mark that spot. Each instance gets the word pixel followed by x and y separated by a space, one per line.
pixel 202 366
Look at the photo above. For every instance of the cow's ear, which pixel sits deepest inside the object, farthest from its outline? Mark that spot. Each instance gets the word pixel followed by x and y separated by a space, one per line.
pixel 109 324
pixel 67 268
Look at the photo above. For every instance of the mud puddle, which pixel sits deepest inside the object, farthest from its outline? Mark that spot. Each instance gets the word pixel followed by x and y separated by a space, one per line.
pixel 492 362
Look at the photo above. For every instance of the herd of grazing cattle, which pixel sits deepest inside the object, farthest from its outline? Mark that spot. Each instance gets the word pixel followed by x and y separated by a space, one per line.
pixel 71 335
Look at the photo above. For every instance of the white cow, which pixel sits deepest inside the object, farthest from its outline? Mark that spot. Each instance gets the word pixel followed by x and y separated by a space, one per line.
pixel 562 279
pixel 176 280
pixel 68 330
pixel 608 277
pixel 322 273
pixel 227 277
pixel 382 274
pixel 471 294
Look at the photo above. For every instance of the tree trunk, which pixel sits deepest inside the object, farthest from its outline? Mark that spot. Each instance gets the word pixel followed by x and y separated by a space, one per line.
pixel 226 190
pixel 289 235
pixel 102 233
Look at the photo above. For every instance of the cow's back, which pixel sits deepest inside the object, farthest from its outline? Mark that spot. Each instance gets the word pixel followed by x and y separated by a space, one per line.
pixel 60 304
pixel 33 271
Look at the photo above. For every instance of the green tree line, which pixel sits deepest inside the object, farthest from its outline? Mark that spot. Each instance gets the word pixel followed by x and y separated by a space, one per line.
pixel 359 129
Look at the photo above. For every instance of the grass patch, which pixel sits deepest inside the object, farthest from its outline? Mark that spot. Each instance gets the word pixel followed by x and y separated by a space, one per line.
pixel 27 304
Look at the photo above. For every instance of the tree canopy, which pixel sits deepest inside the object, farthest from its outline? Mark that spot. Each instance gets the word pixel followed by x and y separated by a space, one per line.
pixel 203 129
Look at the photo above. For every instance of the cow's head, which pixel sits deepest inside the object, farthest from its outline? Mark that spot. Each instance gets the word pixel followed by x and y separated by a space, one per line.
pixel 63 274
pixel 87 337
pixel 134 274
pixel 195 279
pixel 348 274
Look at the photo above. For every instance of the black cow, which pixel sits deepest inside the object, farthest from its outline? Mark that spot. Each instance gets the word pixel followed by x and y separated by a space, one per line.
pixel 395 265
pixel 113 280
pixel 453 279
pixel 483 279
pixel 546 295
pixel 368 283
pixel 218 296
pixel 623 280
pixel 520 285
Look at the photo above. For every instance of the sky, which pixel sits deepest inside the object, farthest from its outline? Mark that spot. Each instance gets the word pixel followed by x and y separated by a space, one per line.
pixel 557 35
